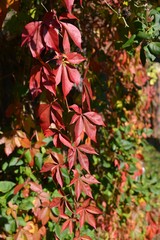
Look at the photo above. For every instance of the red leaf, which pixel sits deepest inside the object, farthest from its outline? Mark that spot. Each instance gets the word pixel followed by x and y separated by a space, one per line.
pixel 93 210
pixel 59 177
pixel 86 189
pixel 80 186
pixel 86 213
pixel 79 127
pixel 35 81
pixel 35 187
pixel 51 38
pixel 74 57
pixel 77 109
pixel 69 4
pixel 58 74
pixel 90 129
pixel 87 93
pixel 56 162
pixel 44 215
pixel 66 83
pixel 89 179
pixel 68 224
pixel 83 159
pixel 74 118
pixel 18 188
pixel 90 219
pixel 74 33
pixel 65 16
pixel 47 167
pixel 48 80
pixel 44 114
pixel 85 237
pixel 87 148
pixel 66 43
pixel 73 74
pixel 94 118
pixel 32 36
pixel 72 157
pixel 65 140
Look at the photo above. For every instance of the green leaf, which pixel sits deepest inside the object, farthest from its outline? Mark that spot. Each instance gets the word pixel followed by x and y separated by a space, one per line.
pixel 154 48
pixel 27 204
pixel 143 35
pixel 126 145
pixel 28 156
pixel 39 160
pixel 6 186
pixel 129 42
pixel 149 55
pixel 4 166
pixel 10 227
pixel 15 161
pixel 21 221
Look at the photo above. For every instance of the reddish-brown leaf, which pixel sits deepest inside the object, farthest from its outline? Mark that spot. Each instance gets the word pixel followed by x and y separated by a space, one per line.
pixel 83 159
pixel 80 186
pixel 68 224
pixel 18 188
pixel 72 157
pixel 64 139
pixel 66 83
pixel 79 127
pixel 66 43
pixel 74 57
pixel 87 93
pixel 44 215
pixel 90 129
pixel 44 115
pixel 73 74
pixel 32 36
pixel 86 212
pixel 51 38
pixel 87 148
pixel 69 4
pixel 89 179
pixel 94 118
pixel 73 32
pixel 35 81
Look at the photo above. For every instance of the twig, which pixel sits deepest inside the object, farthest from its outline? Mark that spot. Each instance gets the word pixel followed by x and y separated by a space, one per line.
pixel 119 15
pixel 44 7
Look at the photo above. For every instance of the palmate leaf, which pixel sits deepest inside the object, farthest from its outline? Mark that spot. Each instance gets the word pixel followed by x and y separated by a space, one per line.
pixel 41 76
pixel 54 166
pixel 86 212
pixel 82 184
pixel 66 72
pixel 48 114
pixel 62 203
pixel 69 223
pixel 77 152
pixel 42 34
pixel 85 122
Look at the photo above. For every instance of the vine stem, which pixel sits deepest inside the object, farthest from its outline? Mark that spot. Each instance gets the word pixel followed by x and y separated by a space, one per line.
pixel 119 15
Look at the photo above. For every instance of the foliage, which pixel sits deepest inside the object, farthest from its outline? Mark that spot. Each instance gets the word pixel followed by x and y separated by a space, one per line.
pixel 79 76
